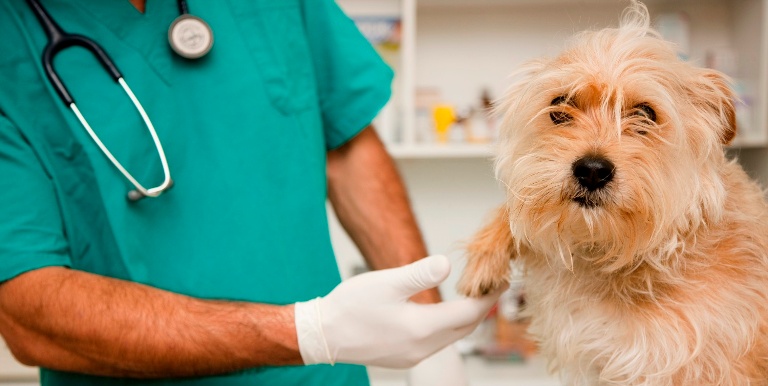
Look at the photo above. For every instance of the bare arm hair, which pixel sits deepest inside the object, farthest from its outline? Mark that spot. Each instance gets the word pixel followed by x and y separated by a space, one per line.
pixel 75 321
pixel 371 202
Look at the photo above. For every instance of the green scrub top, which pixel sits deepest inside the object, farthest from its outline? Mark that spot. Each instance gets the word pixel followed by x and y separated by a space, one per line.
pixel 245 130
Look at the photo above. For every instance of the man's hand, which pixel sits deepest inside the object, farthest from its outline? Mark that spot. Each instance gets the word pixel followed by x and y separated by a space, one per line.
pixel 368 319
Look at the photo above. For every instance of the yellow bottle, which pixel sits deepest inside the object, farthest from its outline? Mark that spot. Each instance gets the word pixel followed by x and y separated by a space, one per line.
pixel 444 116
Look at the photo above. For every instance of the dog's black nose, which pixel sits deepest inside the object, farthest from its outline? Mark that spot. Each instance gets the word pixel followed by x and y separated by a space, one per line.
pixel 593 172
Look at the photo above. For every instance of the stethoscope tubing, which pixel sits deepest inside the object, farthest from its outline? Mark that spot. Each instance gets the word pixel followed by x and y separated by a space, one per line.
pixel 151 192
pixel 183 7
pixel 59 40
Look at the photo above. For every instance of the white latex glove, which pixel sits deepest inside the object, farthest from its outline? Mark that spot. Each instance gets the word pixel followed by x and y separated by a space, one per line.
pixel 368 319
pixel 444 368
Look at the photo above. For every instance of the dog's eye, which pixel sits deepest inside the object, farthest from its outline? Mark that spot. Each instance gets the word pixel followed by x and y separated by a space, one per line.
pixel 559 117
pixel 646 111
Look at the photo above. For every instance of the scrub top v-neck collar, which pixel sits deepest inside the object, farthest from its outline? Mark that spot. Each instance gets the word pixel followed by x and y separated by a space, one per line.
pixel 146 32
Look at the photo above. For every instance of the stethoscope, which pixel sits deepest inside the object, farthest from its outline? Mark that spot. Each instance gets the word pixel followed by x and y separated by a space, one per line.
pixel 189 36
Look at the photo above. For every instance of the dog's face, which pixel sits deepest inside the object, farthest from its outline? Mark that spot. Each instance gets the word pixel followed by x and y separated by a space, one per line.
pixel 610 152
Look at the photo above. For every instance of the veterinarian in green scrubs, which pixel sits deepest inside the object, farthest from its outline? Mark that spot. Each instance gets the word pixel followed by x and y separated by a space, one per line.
pixel 245 130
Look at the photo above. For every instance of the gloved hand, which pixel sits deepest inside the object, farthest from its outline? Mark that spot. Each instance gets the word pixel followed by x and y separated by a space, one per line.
pixel 444 368
pixel 368 319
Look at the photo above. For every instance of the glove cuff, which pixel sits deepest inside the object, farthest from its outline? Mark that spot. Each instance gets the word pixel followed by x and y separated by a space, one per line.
pixel 309 331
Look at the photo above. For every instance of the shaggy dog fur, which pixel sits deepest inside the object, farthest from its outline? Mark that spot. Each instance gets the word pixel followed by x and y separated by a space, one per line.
pixel 645 248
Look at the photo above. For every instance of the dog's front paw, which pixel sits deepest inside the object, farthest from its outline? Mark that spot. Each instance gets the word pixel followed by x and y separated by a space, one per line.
pixel 488 257
pixel 475 285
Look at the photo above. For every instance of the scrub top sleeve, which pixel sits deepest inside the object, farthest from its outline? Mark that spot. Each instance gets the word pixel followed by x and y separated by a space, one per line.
pixel 31 230
pixel 354 82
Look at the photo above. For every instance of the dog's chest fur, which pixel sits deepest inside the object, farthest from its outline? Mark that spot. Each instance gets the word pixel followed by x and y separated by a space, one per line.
pixel 597 331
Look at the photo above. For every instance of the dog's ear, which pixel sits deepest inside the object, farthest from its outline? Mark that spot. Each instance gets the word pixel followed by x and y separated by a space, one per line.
pixel 715 92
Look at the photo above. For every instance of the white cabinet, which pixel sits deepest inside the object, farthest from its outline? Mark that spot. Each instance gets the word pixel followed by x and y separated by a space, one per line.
pixel 459 48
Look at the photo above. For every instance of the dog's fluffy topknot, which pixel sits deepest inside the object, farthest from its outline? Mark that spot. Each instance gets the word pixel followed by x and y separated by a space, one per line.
pixel 636 18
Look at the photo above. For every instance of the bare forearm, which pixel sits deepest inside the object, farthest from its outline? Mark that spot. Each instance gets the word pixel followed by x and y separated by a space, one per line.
pixel 372 204
pixel 75 321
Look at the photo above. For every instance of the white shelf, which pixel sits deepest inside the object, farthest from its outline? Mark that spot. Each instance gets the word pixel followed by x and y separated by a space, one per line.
pixel 400 151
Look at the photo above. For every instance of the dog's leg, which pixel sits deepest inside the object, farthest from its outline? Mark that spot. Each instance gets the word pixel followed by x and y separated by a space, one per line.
pixel 488 257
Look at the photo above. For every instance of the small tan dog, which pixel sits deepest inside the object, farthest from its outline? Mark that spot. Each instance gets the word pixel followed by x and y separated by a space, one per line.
pixel 645 248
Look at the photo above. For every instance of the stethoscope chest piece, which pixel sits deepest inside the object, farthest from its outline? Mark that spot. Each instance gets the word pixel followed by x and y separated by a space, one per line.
pixel 190 36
